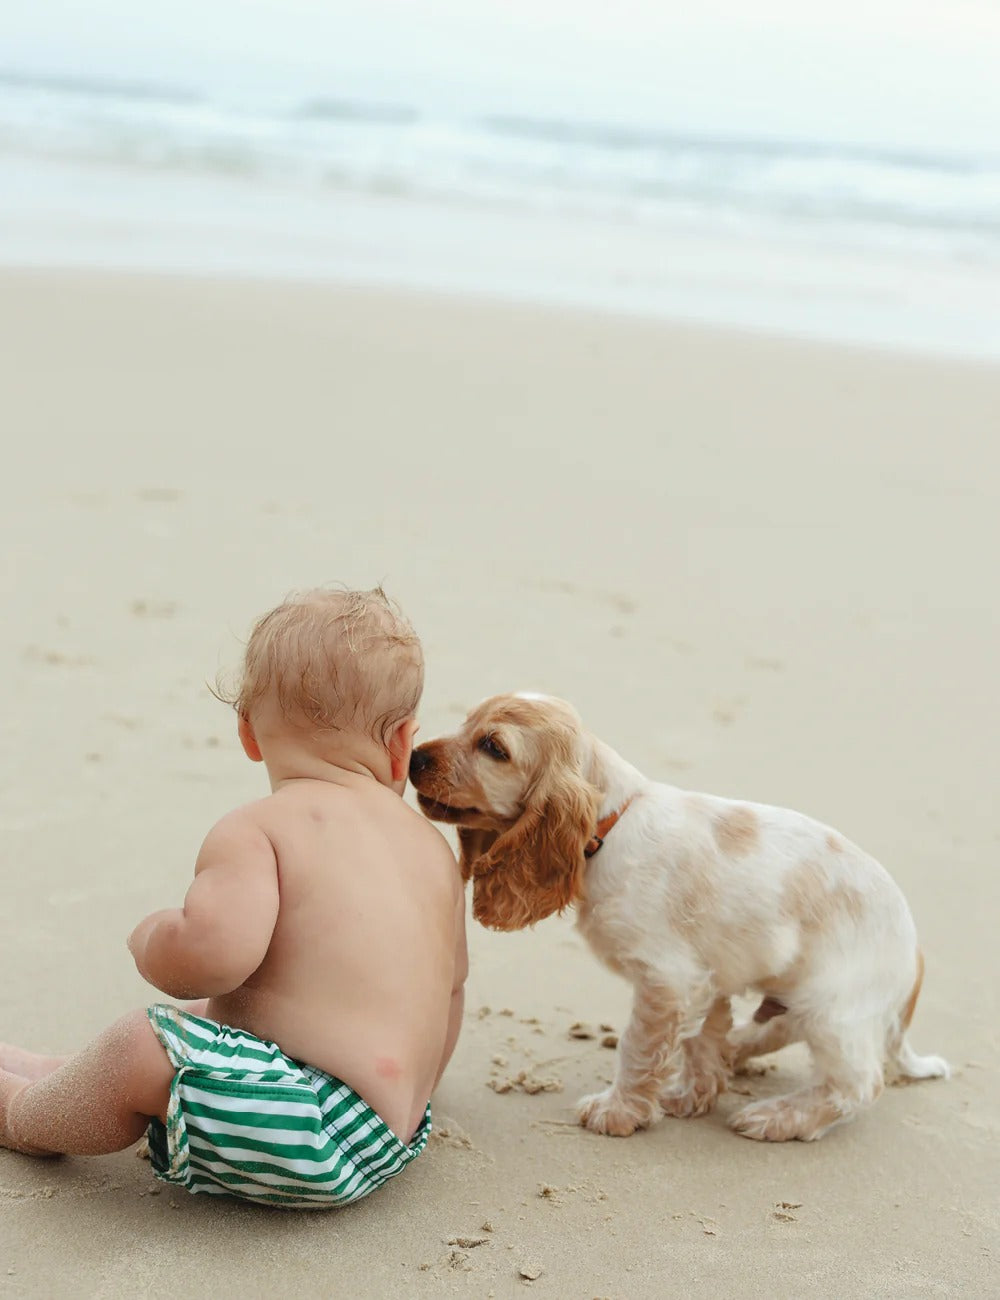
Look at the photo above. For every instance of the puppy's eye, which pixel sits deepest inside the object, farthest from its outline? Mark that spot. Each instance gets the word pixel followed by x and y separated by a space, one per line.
pixel 492 747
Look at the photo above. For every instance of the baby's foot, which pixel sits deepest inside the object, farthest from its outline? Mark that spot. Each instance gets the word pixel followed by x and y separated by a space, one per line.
pixel 11 1085
pixel 29 1065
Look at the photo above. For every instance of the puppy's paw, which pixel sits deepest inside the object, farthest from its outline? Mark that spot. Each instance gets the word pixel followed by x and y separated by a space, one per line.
pixel 910 1067
pixel 695 1097
pixel 740 1059
pixel 780 1119
pixel 611 1113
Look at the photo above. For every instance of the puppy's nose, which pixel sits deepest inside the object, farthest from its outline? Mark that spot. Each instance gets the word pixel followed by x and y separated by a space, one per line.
pixel 420 761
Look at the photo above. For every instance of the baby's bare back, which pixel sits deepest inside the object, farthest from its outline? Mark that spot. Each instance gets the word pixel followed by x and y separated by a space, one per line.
pixel 358 977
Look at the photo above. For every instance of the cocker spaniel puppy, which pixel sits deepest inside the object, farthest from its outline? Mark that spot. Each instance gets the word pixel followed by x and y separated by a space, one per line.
pixel 693 899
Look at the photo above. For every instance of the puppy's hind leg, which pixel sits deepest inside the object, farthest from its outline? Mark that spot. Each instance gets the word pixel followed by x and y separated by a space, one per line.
pixel 760 1037
pixel 849 1071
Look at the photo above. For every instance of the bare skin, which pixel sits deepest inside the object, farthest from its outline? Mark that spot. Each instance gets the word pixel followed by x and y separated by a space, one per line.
pixel 327 917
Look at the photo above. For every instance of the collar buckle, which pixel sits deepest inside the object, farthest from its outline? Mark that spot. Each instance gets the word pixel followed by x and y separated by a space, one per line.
pixel 596 840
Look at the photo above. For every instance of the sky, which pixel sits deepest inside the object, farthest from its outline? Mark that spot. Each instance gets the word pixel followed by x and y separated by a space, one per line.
pixel 871 71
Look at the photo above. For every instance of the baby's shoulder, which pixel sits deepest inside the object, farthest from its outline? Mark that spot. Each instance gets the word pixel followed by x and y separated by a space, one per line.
pixel 417 825
pixel 248 817
pixel 238 836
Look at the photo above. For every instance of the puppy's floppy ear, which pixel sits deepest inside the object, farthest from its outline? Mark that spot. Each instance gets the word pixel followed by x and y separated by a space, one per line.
pixel 472 844
pixel 536 867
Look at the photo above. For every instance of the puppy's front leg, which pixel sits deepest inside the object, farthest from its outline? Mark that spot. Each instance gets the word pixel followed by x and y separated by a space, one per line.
pixel 702 1062
pixel 645 1060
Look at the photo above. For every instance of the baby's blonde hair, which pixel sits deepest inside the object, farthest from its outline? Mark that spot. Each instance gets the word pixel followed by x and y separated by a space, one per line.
pixel 334 660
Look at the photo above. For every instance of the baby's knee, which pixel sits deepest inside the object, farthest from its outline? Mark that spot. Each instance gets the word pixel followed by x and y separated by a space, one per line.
pixel 130 1033
pixel 132 1041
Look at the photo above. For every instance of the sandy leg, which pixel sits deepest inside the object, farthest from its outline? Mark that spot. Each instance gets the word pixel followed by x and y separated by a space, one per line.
pixel 98 1101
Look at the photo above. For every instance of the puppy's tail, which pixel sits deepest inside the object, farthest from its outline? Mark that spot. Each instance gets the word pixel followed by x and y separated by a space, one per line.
pixel 903 1060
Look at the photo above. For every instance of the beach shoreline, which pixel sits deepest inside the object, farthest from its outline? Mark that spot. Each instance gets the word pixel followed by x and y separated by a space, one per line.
pixel 824 284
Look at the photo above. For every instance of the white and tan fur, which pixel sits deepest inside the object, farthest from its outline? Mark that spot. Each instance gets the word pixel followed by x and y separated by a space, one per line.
pixel 694 899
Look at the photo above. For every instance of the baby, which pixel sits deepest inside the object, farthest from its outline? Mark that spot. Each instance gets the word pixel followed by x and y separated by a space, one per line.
pixel 323 934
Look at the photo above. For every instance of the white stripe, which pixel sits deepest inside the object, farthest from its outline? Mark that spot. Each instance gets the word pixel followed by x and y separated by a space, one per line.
pixel 219 1130
pixel 221 1056
pixel 249 1106
pixel 337 1099
pixel 201 1129
pixel 344 1184
pixel 239 1156
pixel 241 1038
pixel 211 1059
pixel 373 1150
pixel 285 1171
pixel 358 1110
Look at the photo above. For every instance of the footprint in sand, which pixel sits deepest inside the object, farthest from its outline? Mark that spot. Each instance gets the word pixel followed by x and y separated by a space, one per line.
pixel 158 494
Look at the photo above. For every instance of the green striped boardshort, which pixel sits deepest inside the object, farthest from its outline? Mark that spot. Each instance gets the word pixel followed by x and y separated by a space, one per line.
pixel 245 1120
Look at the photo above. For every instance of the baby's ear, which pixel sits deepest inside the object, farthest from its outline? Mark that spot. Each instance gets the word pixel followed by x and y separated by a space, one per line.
pixel 472 844
pixel 248 740
pixel 400 747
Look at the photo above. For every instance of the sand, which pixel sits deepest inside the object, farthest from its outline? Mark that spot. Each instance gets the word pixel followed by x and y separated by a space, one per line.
pixel 758 567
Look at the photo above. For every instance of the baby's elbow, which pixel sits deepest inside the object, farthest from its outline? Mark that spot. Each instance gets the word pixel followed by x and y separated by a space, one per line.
pixel 184 985
pixel 195 984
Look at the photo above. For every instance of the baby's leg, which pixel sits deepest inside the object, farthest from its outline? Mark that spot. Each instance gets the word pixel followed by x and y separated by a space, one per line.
pixel 95 1102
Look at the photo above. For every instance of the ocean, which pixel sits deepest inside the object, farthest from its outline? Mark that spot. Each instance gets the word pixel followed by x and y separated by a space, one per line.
pixel 182 177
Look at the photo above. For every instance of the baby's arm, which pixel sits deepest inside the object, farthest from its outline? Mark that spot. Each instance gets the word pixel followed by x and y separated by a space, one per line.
pixel 458 986
pixel 221 934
